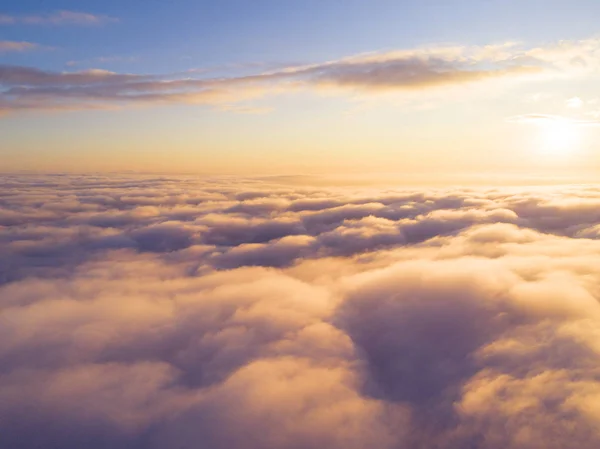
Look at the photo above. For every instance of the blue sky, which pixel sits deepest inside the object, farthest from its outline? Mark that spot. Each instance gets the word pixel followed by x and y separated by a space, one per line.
pixel 158 36
pixel 199 84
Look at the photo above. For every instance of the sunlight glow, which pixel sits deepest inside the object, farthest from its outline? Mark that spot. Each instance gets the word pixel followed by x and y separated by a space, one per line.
pixel 559 138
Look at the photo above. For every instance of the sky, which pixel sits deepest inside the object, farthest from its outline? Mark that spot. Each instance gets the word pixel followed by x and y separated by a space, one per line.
pixel 429 88
pixel 279 224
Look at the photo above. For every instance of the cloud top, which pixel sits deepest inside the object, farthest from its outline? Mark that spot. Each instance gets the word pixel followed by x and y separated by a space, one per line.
pixel 148 312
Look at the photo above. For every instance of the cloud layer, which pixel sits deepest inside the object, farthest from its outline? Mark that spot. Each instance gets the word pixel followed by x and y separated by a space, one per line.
pixel 141 312
pixel 395 71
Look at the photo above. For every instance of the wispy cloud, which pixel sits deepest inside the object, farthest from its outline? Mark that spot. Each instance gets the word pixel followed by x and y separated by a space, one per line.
pixel 103 60
pixel 58 18
pixel 541 119
pixel 402 71
pixel 575 103
pixel 6 46
pixel 239 109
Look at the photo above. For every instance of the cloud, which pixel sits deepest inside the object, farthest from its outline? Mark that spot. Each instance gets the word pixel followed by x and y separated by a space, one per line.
pixel 150 312
pixel 102 60
pixel 25 76
pixel 541 119
pixel 405 71
pixel 408 73
pixel 58 18
pixel 538 97
pixel 18 46
pixel 574 103
pixel 246 109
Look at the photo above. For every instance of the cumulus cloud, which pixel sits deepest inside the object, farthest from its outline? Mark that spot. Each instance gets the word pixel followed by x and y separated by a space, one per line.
pixel 63 17
pixel 401 71
pixel 150 312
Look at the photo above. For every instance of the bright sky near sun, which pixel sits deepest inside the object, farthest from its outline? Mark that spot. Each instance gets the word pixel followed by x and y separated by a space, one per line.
pixel 314 86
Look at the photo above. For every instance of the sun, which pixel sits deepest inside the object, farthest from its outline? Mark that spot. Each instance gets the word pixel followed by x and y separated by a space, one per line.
pixel 559 137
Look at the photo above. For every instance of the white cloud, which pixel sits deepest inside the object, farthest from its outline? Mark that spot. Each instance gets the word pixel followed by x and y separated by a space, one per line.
pixel 575 103
pixel 548 118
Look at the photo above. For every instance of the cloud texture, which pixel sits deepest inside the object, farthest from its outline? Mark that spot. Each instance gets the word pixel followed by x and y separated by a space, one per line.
pixel 142 312
pixel 402 71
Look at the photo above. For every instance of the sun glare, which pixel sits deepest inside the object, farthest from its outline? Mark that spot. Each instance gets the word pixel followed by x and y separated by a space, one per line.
pixel 559 137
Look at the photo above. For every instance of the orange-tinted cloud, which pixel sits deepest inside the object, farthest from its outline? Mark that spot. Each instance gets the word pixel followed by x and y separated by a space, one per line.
pixel 155 312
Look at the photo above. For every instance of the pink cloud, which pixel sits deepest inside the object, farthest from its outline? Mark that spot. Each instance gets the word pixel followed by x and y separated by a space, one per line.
pixel 6 46
pixel 58 18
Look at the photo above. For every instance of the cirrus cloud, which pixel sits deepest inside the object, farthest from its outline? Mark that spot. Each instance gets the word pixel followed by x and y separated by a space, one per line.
pixel 62 17
pixel 540 119
pixel 6 46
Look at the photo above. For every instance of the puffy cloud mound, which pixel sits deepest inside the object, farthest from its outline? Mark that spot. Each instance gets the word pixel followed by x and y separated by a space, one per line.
pixel 140 312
